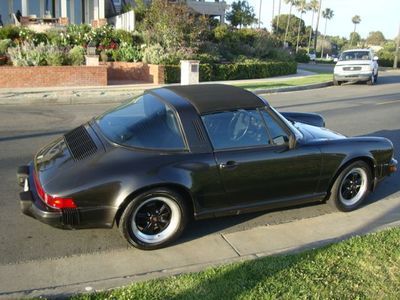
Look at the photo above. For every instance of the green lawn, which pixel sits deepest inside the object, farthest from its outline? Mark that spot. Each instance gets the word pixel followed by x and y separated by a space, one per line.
pixel 290 82
pixel 360 268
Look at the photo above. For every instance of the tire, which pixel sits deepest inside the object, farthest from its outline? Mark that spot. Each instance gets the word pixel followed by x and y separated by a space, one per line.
pixel 154 219
pixel 371 81
pixel 335 82
pixel 351 187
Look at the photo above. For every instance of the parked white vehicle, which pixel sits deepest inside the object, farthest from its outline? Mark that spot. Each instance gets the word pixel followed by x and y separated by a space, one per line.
pixel 356 65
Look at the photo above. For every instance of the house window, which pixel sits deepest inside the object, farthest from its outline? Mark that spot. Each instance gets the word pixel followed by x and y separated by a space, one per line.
pixel 117 2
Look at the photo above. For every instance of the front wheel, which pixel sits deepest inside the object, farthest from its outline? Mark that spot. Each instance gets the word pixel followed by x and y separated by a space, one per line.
pixel 351 187
pixel 154 219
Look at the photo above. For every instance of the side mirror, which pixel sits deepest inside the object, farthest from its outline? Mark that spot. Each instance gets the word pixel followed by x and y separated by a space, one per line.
pixel 335 60
pixel 376 57
pixel 292 141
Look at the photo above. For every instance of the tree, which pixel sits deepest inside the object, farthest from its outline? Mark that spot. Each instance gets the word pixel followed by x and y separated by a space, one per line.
pixel 354 37
pixel 327 14
pixel 356 20
pixel 316 27
pixel 291 2
pixel 279 13
pixel 375 38
pixel 241 14
pixel 313 6
pixel 291 38
pixel 302 8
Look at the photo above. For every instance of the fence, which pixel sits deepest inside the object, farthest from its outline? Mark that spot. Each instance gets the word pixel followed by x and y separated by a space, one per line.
pixel 124 21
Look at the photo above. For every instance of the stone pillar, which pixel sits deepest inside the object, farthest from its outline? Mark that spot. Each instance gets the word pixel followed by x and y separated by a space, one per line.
pixel 95 9
pixel 64 9
pixel 190 72
pixel 72 11
pixel 102 9
pixel 24 8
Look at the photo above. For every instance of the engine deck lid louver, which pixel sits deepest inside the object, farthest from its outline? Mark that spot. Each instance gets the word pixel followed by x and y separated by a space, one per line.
pixel 80 143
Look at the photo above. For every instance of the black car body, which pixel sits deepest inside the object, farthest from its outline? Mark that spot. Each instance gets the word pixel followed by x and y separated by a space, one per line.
pixel 220 149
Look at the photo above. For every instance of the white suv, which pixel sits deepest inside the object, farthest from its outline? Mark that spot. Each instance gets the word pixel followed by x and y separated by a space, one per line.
pixel 356 65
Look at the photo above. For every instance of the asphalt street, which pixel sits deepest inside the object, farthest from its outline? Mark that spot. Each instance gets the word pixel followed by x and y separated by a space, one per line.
pixel 354 109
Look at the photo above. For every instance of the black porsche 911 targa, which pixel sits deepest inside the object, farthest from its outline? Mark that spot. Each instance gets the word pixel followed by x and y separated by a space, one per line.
pixel 205 150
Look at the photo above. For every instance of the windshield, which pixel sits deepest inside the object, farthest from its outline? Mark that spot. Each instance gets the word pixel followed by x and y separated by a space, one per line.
pixel 355 55
pixel 145 122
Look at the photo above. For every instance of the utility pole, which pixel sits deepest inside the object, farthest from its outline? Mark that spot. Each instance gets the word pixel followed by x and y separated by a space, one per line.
pixel 396 54
pixel 259 16
pixel 316 29
pixel 273 12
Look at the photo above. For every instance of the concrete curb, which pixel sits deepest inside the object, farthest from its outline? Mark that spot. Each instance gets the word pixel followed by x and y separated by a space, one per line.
pixel 106 95
pixel 293 88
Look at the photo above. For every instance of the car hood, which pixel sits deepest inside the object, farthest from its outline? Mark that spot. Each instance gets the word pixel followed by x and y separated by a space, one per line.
pixel 317 133
pixel 352 62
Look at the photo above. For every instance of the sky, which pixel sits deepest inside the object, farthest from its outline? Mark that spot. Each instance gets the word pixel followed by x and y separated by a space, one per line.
pixel 381 15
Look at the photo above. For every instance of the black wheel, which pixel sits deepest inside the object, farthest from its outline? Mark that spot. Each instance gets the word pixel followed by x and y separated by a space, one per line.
pixel 335 82
pixel 351 187
pixel 154 219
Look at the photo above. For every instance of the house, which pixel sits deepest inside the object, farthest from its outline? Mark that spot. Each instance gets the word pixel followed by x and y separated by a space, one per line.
pixel 95 12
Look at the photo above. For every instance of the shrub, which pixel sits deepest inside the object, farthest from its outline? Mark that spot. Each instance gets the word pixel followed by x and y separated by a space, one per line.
pixel 156 54
pixel 76 56
pixel 9 32
pixel 55 56
pixel 4 44
pixel 172 73
pixel 27 54
pixel 301 56
pixel 251 70
pixel 127 52
pixel 386 58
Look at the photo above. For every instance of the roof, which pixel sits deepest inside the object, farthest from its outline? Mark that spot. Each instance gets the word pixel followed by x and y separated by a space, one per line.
pixel 207 98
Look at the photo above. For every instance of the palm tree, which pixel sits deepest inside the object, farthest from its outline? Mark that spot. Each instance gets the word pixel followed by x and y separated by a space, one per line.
pixel 313 6
pixel 279 14
pixel 327 14
pixel 316 27
pixel 302 8
pixel 356 20
pixel 291 2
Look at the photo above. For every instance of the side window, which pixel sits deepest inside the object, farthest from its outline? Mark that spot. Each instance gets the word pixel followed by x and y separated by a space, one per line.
pixel 236 129
pixel 278 134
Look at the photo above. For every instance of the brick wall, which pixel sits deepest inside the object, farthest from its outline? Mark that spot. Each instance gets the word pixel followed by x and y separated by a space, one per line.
pixel 134 72
pixel 19 77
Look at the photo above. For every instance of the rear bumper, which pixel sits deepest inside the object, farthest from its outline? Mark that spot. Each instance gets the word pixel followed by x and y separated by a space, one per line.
pixel 31 205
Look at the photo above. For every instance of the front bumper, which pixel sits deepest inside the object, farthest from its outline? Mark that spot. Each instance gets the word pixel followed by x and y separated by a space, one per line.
pixel 31 205
pixel 353 76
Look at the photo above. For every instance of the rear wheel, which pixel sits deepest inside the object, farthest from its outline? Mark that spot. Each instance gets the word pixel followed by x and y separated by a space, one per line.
pixel 154 219
pixel 351 187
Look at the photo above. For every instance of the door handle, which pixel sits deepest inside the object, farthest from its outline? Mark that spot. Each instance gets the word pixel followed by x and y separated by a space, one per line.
pixel 228 165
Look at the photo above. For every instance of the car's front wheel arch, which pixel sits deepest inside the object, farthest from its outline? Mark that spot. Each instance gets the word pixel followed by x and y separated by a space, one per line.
pixel 368 160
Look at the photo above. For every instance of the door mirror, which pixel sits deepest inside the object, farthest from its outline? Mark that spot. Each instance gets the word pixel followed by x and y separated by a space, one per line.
pixel 335 60
pixel 376 58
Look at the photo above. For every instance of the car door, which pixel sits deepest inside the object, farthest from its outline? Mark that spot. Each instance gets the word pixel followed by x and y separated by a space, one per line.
pixel 256 164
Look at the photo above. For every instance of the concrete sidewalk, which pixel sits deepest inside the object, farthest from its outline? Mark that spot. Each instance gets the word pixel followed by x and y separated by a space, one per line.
pixel 106 94
pixel 77 274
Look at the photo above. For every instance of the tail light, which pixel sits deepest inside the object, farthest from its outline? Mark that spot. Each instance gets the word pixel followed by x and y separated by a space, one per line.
pixel 53 201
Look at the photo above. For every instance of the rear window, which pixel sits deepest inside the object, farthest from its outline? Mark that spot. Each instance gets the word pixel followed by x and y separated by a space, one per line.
pixel 145 122
pixel 355 55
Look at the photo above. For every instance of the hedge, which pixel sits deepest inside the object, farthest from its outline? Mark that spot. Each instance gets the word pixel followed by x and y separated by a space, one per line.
pixel 216 72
